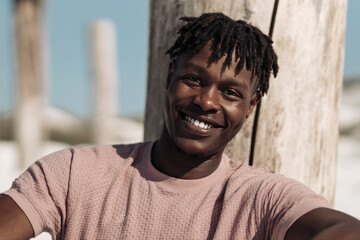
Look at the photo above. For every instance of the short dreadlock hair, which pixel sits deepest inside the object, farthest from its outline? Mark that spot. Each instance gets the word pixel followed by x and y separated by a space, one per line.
pixel 252 48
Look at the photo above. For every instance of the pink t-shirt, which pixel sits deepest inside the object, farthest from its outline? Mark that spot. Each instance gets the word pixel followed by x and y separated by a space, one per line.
pixel 114 192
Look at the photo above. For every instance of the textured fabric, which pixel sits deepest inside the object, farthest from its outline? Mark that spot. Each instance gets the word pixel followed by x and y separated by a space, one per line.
pixel 114 192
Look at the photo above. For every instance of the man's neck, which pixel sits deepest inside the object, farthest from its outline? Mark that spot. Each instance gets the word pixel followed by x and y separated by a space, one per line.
pixel 170 160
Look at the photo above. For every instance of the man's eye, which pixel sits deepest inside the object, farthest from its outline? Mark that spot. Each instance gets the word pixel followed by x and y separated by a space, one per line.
pixel 232 94
pixel 193 80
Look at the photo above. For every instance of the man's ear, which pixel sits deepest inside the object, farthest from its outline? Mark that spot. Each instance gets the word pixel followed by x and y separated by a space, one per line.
pixel 255 99
pixel 170 73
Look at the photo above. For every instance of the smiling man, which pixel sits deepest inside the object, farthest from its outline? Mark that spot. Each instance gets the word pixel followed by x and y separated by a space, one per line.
pixel 206 106
pixel 181 186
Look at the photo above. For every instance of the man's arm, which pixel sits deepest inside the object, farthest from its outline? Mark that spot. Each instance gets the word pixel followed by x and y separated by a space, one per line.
pixel 324 223
pixel 13 222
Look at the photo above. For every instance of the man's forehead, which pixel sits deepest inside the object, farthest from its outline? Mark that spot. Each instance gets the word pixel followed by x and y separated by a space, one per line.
pixel 186 61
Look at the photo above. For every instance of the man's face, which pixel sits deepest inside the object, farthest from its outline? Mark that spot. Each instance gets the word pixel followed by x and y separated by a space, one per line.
pixel 206 107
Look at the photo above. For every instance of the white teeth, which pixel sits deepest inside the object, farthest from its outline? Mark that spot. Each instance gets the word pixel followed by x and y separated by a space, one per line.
pixel 197 123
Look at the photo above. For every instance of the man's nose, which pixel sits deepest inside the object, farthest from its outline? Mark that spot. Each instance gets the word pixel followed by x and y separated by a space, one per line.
pixel 208 99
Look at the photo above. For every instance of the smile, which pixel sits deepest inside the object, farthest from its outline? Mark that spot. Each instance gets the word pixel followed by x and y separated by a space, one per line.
pixel 198 123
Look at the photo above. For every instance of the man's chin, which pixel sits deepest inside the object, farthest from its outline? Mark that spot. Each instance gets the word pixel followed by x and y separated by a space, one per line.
pixel 192 149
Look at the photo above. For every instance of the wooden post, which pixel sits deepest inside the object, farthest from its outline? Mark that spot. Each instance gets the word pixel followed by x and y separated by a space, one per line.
pixel 30 78
pixel 298 127
pixel 104 65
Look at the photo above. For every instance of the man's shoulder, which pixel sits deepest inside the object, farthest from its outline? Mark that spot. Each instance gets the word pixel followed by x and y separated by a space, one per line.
pixel 242 170
pixel 104 154
pixel 260 179
pixel 123 150
pixel 94 156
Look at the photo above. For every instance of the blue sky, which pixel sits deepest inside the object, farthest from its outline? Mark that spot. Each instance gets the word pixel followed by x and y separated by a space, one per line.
pixel 69 79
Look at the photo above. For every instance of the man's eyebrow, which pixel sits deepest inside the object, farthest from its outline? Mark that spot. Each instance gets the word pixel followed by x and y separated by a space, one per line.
pixel 198 68
pixel 229 81
pixel 238 83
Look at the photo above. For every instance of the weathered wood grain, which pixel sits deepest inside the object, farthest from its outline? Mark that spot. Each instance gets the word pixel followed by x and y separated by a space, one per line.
pixel 298 126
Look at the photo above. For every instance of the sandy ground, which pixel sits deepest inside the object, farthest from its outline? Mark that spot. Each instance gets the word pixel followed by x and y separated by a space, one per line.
pixel 347 197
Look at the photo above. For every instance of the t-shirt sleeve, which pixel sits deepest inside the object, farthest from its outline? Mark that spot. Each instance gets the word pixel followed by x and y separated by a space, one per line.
pixel 41 192
pixel 290 200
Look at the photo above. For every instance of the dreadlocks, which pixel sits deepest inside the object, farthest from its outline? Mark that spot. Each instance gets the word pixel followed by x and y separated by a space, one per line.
pixel 251 47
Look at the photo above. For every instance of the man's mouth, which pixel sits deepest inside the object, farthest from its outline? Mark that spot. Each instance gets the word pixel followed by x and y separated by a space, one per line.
pixel 198 123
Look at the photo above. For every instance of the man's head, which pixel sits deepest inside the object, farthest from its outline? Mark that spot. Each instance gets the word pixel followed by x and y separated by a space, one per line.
pixel 218 72
pixel 237 40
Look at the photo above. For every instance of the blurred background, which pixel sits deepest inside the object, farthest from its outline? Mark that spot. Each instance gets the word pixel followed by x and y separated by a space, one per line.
pixel 69 83
pixel 67 28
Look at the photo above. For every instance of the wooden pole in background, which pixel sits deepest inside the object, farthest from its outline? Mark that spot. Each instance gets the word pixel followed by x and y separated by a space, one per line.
pixel 299 118
pixel 104 69
pixel 298 125
pixel 30 78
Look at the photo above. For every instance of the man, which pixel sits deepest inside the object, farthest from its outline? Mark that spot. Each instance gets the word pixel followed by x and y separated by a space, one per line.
pixel 181 186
